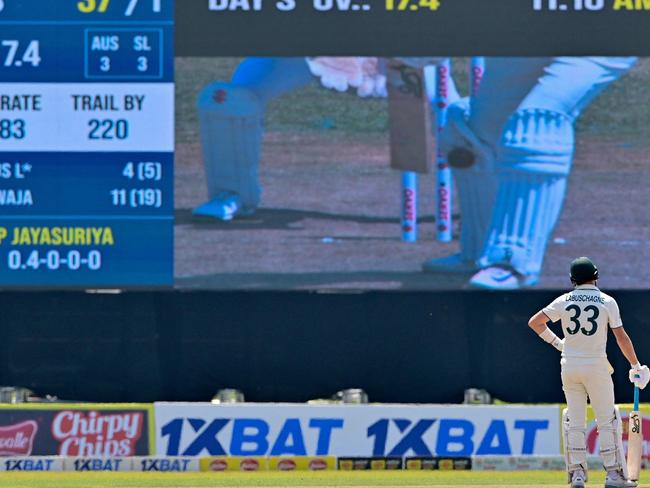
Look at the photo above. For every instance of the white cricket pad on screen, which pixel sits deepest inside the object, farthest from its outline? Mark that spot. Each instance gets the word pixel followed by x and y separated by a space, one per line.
pixel 534 160
pixel 231 138
pixel 476 186
pixel 526 211
pixel 476 195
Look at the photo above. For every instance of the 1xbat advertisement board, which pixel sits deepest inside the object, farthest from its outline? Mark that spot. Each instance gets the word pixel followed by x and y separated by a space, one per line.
pixel 258 430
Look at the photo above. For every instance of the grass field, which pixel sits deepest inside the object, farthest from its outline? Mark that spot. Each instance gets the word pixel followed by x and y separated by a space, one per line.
pixel 527 479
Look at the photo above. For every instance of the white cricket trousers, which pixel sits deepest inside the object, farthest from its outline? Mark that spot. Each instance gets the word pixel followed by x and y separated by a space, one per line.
pixel 587 377
pixel 582 377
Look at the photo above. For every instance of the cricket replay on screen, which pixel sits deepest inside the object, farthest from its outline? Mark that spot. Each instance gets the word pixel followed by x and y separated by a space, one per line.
pixel 347 144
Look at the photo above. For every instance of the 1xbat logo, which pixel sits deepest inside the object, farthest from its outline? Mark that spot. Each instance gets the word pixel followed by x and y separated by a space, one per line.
pixel 248 437
pixel 97 464
pixel 28 464
pixel 455 437
pixel 165 464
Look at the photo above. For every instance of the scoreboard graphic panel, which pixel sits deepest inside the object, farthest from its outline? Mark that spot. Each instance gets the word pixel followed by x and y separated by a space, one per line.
pixel 86 142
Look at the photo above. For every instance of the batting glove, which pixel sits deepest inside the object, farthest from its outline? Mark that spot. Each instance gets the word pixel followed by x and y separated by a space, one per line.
pixel 340 74
pixel 640 375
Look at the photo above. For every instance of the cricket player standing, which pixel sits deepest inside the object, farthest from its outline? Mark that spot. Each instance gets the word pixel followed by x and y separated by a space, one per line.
pixel 585 314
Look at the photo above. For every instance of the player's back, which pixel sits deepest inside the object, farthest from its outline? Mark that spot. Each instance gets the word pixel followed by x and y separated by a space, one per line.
pixel 585 313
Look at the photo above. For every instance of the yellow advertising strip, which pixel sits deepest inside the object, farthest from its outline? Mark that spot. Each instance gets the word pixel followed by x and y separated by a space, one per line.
pixel 415 464
pixel 279 463
pixel 346 465
pixel 446 465
pixel 148 407
pixel 302 463
pixel 152 428
pixel 233 463
pixel 76 406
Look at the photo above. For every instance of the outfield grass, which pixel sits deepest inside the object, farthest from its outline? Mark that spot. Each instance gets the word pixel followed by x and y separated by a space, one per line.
pixel 456 479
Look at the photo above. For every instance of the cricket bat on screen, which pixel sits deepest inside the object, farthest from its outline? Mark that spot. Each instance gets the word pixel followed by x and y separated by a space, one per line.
pixel 409 115
pixel 634 440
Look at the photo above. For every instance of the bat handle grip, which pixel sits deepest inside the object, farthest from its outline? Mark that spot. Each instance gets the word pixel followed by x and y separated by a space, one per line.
pixel 636 396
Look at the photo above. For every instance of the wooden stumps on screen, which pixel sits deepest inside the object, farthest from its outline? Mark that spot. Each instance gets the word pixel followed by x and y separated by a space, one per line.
pixel 411 136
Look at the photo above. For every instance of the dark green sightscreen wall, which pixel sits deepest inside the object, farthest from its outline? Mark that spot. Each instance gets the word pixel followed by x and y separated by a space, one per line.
pixel 415 347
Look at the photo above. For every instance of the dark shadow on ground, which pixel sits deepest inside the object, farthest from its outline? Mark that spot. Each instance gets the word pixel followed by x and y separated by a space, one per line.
pixel 280 218
pixel 347 281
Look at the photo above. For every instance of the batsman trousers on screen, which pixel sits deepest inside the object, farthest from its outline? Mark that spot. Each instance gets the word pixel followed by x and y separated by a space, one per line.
pixel 520 125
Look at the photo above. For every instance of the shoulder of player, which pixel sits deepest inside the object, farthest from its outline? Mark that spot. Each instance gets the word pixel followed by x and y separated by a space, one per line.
pixel 561 298
pixel 606 297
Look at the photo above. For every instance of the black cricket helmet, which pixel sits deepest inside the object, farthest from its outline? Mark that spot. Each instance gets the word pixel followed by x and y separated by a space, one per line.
pixel 583 270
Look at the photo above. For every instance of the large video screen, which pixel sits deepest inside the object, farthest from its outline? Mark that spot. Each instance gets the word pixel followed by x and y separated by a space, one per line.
pixel 141 146
pixel 552 163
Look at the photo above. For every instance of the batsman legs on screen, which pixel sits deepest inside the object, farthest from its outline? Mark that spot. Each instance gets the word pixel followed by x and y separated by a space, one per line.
pixel 231 122
pixel 511 148
pixel 470 137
